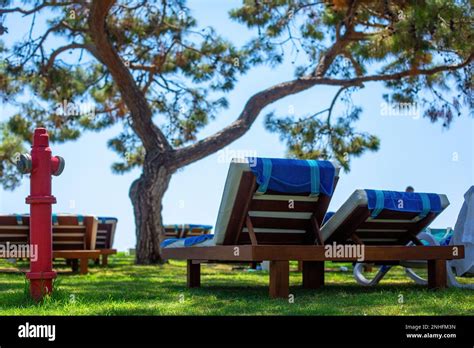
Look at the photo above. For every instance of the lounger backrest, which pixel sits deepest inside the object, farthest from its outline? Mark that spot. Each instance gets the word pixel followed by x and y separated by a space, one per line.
pixel 105 232
pixel 14 229
pixel 70 232
pixel 355 222
pixel 173 231
pixel 186 230
pixel 276 217
pixel 196 230
pixel 74 232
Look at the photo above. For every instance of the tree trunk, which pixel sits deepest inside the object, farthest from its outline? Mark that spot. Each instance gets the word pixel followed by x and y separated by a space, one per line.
pixel 146 194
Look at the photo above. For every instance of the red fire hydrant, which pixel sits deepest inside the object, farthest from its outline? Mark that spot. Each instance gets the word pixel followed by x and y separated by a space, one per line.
pixel 41 164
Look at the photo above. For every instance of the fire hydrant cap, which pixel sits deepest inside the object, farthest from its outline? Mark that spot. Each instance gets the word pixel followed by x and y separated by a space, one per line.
pixel 41 137
pixel 61 165
pixel 24 163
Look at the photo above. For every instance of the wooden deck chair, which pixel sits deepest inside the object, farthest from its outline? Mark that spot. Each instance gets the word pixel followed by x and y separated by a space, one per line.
pixel 105 238
pixel 392 220
pixel 271 209
pixel 74 236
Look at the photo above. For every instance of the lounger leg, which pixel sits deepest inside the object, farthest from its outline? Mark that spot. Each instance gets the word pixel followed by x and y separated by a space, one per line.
pixel 84 265
pixel 313 274
pixel 194 274
pixel 300 266
pixel 437 276
pixel 279 279
pixel 74 265
pixel 97 261
pixel 105 260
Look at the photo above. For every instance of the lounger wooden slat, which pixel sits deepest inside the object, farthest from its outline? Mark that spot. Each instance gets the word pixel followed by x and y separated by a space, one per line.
pixel 65 227
pixel 14 240
pixel 15 228
pixel 81 235
pixel 274 238
pixel 6 236
pixel 281 223
pixel 265 205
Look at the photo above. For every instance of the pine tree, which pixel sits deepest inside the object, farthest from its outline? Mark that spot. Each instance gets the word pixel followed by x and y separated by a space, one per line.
pixel 148 66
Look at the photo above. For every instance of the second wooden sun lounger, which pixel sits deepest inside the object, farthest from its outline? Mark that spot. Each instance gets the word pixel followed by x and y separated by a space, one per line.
pixel 186 230
pixel 272 210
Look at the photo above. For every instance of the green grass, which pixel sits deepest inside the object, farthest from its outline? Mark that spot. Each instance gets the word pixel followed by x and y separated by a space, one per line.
pixel 126 289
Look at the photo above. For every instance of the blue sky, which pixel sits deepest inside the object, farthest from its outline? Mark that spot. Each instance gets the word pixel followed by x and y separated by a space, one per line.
pixel 413 151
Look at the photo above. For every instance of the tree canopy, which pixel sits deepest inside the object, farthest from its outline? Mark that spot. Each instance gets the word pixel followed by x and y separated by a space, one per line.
pixel 151 67
pixel 180 68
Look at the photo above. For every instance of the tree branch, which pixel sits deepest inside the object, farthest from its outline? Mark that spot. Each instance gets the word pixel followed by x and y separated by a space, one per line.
pixel 334 100
pixel 355 64
pixel 62 49
pixel 257 102
pixel 35 9
pixel 341 41
pixel 151 136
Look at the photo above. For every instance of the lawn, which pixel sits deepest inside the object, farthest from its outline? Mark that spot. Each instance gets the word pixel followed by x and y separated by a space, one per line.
pixel 125 289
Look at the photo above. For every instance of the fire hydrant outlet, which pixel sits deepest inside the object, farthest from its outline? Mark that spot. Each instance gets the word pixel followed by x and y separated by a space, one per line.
pixel 24 163
pixel 61 165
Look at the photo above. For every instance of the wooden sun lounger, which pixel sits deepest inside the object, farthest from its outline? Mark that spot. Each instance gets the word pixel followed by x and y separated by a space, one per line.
pixel 73 240
pixel 243 242
pixel 246 236
pixel 105 239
